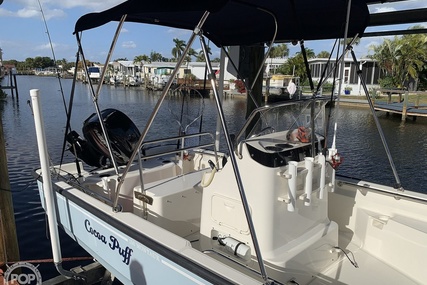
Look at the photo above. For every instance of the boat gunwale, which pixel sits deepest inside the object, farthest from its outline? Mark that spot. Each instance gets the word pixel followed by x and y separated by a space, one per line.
pixel 383 189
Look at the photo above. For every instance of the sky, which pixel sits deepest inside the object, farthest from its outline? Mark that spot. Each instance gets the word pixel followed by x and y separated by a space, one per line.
pixel 25 34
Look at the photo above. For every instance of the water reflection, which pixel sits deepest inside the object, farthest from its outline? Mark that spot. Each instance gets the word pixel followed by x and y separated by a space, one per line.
pixel 360 144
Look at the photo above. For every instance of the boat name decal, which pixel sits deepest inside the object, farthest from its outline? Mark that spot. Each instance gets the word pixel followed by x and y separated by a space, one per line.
pixel 114 244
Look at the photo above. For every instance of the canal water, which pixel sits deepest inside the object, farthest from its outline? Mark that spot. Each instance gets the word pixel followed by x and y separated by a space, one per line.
pixel 357 141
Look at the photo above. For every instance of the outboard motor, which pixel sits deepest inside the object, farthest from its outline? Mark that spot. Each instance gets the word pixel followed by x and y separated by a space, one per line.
pixel 121 131
pixel 83 150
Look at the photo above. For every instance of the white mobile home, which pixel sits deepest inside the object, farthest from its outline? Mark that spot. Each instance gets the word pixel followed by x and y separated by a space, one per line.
pixel 371 72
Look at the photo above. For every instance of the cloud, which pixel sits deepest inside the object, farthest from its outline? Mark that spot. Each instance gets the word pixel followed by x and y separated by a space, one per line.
pixel 383 9
pixel 53 8
pixel 27 13
pixel 45 47
pixel 397 6
pixel 129 44
pixel 5 13
pixel 93 5
pixel 36 13
pixel 177 33
pixel 31 10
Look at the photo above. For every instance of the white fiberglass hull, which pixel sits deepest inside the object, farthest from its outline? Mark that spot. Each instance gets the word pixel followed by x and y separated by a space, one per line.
pixel 134 250
pixel 385 231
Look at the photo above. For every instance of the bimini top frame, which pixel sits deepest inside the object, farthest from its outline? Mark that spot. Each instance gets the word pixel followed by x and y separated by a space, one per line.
pixel 215 20
pixel 242 22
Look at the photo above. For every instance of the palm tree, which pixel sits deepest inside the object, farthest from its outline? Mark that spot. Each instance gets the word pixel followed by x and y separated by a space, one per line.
pixel 402 58
pixel 201 55
pixel 179 48
pixel 295 65
pixel 281 50
pixel 356 42
pixel 191 52
pixel 323 54
pixel 349 40
pixel 141 58
pixel 414 57
pixel 155 56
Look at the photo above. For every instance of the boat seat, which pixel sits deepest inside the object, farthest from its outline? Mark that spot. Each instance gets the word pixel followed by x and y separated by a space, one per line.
pixel 174 203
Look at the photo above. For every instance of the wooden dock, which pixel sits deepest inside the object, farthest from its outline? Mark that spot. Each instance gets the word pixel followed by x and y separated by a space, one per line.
pixel 402 107
pixel 13 86
pixel 399 108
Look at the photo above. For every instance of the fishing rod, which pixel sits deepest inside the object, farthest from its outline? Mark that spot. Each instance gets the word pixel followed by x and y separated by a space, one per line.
pixel 54 57
pixel 50 203
pixel 59 81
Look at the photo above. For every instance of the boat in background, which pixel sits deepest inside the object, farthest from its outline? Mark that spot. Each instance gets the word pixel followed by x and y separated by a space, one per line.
pixel 279 87
pixel 268 209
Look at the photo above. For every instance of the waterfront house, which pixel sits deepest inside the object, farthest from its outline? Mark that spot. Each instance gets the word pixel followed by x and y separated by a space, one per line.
pixel 351 84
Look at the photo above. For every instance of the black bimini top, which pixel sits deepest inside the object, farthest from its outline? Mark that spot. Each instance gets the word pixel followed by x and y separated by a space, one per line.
pixel 242 22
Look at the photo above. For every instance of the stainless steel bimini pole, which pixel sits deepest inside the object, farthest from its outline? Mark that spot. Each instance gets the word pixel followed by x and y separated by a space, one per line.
pixel 234 163
pixel 96 95
pixel 398 185
pixel 47 187
pixel 165 91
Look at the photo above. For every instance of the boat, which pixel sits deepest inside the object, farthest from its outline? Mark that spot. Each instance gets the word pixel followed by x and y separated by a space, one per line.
pixel 279 87
pixel 266 208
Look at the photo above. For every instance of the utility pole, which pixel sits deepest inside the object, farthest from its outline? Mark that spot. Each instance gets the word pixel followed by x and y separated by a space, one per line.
pixel 9 250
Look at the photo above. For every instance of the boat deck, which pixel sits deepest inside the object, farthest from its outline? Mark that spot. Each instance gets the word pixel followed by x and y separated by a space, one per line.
pixel 370 270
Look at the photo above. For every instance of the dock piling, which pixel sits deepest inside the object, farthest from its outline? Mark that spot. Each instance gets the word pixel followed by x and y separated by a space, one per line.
pixel 9 249
pixel 405 105
pixel 13 87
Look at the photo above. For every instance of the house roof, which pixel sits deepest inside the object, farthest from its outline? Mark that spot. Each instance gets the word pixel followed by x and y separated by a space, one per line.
pixel 346 59
pixel 126 63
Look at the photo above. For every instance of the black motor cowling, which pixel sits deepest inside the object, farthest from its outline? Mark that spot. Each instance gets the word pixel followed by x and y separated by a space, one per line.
pixel 121 131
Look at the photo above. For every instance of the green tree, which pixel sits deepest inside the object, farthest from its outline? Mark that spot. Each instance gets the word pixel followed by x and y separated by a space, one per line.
pixel 200 57
pixel 155 56
pixel 356 42
pixel 61 62
pixel 121 59
pixel 323 54
pixel 281 50
pixel 178 48
pixel 65 65
pixel 11 62
pixel 80 64
pixel 22 67
pixel 191 52
pixel 403 59
pixel 414 49
pixel 141 58
pixel 43 62
pixel 295 65
pixel 29 62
